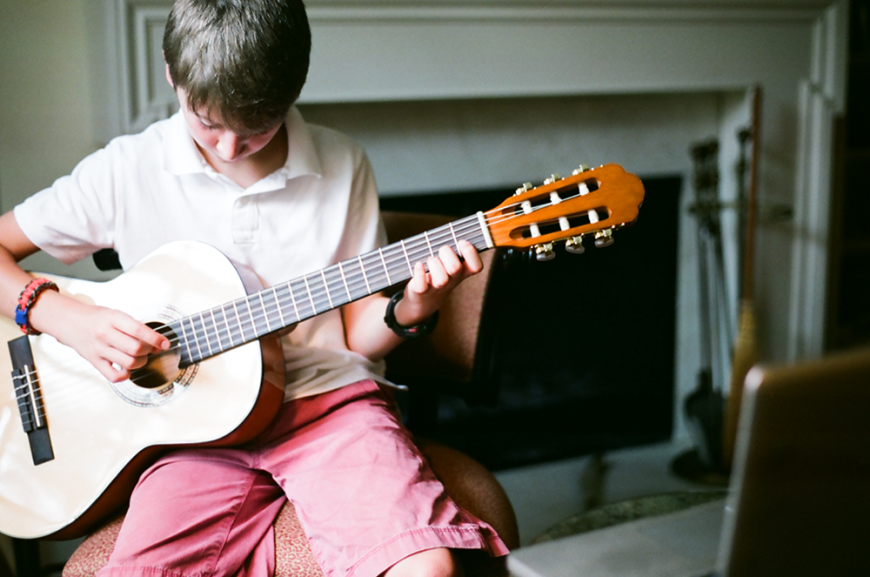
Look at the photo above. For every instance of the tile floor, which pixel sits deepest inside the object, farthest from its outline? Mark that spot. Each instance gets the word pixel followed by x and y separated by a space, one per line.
pixel 545 494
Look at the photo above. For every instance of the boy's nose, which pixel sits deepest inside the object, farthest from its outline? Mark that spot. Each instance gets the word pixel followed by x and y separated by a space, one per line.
pixel 230 145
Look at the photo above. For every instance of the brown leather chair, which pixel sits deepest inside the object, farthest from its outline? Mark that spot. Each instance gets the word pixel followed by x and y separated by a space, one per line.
pixel 454 359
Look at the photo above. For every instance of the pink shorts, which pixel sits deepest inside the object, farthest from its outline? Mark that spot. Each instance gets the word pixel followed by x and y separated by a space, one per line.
pixel 363 493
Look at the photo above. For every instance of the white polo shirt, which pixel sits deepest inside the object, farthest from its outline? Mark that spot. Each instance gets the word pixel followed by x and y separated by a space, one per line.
pixel 142 191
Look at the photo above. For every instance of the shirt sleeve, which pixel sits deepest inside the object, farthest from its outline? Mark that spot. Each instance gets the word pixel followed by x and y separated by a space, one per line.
pixel 75 216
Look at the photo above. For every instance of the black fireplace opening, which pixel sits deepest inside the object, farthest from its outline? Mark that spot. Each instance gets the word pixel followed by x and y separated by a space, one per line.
pixel 585 343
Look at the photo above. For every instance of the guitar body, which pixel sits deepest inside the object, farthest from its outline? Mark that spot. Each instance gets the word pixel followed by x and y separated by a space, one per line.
pixel 102 434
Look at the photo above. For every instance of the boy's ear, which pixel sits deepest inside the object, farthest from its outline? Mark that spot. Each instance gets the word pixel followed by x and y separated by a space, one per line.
pixel 168 75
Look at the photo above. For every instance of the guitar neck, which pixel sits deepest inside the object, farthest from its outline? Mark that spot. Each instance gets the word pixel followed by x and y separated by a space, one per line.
pixel 211 332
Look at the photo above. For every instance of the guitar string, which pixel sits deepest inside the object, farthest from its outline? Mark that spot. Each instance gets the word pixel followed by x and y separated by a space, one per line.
pixel 497 216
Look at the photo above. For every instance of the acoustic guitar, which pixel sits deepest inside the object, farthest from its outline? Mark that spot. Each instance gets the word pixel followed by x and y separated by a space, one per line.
pixel 72 444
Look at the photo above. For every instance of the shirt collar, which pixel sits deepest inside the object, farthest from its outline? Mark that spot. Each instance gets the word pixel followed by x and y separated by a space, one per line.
pixel 302 157
pixel 181 156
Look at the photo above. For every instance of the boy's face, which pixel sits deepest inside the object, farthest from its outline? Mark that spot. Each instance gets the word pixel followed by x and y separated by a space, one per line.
pixel 218 143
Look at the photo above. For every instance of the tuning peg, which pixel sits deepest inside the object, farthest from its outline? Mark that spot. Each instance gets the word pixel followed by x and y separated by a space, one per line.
pixel 574 245
pixel 581 169
pixel 545 251
pixel 527 186
pixel 603 238
pixel 552 178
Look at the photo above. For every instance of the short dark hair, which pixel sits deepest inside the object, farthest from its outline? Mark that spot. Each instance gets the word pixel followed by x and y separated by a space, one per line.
pixel 246 60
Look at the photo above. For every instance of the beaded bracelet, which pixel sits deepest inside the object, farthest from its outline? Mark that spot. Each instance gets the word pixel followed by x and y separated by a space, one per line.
pixel 25 302
pixel 407 332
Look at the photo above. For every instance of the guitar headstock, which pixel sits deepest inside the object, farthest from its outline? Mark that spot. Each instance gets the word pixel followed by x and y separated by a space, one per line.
pixel 589 202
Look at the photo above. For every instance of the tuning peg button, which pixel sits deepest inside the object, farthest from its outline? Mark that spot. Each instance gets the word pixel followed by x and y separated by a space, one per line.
pixel 603 238
pixel 527 186
pixel 574 245
pixel 545 251
pixel 581 169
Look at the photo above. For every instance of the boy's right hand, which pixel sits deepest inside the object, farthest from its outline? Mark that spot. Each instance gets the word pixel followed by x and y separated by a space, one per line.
pixel 112 341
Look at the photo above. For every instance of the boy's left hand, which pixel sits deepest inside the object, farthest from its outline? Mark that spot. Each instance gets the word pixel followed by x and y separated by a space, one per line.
pixel 426 291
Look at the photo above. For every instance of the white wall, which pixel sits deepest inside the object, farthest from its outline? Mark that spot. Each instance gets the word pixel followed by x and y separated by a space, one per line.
pixel 46 95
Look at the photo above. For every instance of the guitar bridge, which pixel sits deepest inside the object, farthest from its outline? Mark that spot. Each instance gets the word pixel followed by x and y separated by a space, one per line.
pixel 31 405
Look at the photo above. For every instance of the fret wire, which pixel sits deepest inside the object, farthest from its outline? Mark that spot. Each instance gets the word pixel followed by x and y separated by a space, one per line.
pixel 384 261
pixel 293 300
pixel 374 274
pixel 321 291
pixel 251 316
pixel 326 285
pixel 365 277
pixel 396 261
pixel 310 297
pixel 453 232
pixel 227 325
pixel 202 338
pixel 217 331
pixel 177 327
pixel 429 244
pixel 205 333
pixel 407 258
pixel 195 337
pixel 354 279
pixel 337 284
pixel 204 316
pixel 344 280
pixel 302 299
pixel 239 320
pixel 265 313
pixel 278 302
pixel 419 252
pixel 261 316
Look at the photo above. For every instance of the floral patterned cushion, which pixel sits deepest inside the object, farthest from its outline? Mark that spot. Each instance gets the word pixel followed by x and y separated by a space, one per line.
pixel 293 557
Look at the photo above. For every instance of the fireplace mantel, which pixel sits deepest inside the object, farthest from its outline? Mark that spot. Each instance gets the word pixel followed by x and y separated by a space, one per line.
pixel 432 50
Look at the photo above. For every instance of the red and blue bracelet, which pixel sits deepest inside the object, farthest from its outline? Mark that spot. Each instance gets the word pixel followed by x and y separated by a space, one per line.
pixel 25 302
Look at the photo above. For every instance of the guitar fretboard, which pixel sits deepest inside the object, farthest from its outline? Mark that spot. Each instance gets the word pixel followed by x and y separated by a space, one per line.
pixel 211 332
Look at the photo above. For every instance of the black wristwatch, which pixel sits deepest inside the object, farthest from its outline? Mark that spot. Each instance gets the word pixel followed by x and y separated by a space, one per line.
pixel 407 332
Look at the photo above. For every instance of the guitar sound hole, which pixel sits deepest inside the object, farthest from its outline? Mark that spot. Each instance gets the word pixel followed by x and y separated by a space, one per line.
pixel 161 369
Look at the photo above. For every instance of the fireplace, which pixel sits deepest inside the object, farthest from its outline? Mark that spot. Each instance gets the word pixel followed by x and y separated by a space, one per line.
pixel 420 82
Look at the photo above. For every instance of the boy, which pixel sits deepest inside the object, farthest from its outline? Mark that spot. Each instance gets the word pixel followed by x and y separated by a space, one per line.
pixel 239 169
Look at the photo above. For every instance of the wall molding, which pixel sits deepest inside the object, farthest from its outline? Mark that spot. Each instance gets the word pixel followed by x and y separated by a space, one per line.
pixel 821 102
pixel 560 10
